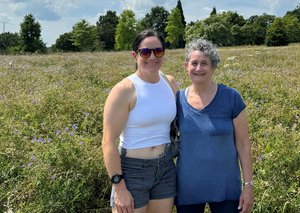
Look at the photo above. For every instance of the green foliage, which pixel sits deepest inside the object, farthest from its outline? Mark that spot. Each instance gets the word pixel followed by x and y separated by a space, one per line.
pixel 276 34
pixel 295 12
pixel 51 125
pixel 194 31
pixel 179 6
pixel 106 29
pixel 175 29
pixel 65 43
pixel 126 30
pixel 214 11
pixel 8 41
pixel 30 35
pixel 84 36
pixel 218 33
pixel 257 27
pixel 292 28
pixel 156 20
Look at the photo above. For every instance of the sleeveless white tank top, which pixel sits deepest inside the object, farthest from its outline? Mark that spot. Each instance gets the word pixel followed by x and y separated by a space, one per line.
pixel 149 121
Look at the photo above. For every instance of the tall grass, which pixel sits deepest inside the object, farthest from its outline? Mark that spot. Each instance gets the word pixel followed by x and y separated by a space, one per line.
pixel 51 125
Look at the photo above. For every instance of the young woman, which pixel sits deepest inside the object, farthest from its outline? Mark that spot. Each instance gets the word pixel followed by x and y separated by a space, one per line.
pixel 139 110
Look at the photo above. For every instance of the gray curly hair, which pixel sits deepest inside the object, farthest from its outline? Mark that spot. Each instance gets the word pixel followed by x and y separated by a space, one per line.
pixel 207 47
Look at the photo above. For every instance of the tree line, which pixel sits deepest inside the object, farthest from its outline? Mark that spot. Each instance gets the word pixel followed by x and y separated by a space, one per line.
pixel 113 32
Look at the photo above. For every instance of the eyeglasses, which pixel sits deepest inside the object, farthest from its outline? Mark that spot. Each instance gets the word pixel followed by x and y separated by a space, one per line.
pixel 146 52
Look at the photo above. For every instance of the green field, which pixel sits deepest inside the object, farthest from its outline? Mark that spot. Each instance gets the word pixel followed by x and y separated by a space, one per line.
pixel 51 125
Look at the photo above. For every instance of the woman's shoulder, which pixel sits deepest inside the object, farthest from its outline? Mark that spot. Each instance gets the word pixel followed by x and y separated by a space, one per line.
pixel 122 88
pixel 227 89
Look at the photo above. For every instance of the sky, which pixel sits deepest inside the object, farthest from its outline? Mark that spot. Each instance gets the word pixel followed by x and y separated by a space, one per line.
pixel 57 17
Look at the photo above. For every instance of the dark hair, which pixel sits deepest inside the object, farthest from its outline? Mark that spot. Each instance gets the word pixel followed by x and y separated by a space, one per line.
pixel 145 34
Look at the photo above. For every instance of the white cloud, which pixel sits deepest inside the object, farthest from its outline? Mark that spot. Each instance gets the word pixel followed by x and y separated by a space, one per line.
pixel 58 6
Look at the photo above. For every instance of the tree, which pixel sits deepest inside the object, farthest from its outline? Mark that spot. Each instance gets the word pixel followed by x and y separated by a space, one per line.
pixel 30 35
pixel 106 29
pixel 181 43
pixel 276 34
pixel 292 28
pixel 179 6
pixel 258 26
pixel 224 28
pixel 65 43
pixel 84 36
pixel 126 30
pixel 194 31
pixel 8 42
pixel 218 33
pixel 235 22
pixel 156 20
pixel 295 12
pixel 213 12
pixel 175 29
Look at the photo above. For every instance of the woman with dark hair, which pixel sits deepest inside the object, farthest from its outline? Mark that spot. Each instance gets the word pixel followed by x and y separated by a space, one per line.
pixel 139 110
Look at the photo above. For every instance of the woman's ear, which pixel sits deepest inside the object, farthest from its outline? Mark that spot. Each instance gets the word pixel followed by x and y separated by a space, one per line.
pixel 134 54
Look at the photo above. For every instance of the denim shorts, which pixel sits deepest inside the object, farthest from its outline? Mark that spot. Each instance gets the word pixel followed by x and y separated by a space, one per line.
pixel 148 179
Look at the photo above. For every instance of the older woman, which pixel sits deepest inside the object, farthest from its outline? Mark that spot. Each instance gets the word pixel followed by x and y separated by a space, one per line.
pixel 214 140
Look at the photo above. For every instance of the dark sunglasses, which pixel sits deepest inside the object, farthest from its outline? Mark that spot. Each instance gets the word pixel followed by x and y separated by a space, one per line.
pixel 146 52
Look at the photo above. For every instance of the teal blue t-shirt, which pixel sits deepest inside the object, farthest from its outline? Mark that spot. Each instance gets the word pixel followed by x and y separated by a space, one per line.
pixel 208 167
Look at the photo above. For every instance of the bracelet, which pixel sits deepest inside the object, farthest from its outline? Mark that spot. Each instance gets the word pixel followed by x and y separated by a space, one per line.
pixel 249 183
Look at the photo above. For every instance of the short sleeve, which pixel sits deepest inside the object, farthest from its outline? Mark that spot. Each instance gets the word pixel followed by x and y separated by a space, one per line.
pixel 238 104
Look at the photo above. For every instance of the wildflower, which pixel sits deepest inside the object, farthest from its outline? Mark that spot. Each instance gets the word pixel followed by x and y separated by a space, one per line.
pixel 179 83
pixel 261 157
pixel 81 143
pixel 72 133
pixel 67 129
pixel 33 157
pixel 33 140
pixel 41 140
pixel 57 132
pixel 49 140
pixel 75 126
pixel 30 163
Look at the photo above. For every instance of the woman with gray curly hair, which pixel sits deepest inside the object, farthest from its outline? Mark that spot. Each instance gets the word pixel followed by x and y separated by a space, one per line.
pixel 214 140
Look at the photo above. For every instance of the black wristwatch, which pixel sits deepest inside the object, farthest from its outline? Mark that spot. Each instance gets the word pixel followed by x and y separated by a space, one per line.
pixel 115 179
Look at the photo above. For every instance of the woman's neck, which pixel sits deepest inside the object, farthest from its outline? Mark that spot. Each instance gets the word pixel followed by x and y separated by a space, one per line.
pixel 203 89
pixel 152 77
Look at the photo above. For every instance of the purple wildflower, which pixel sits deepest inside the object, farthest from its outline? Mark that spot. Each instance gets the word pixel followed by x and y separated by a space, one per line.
pixel 33 140
pixel 75 126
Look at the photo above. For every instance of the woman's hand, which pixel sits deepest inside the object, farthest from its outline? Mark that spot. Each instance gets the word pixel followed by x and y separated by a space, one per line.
pixel 246 200
pixel 123 199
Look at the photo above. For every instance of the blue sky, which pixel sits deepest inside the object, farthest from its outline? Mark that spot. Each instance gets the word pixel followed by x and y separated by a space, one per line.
pixel 59 16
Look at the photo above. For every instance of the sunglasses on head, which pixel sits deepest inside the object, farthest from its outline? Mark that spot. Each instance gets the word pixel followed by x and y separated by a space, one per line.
pixel 146 52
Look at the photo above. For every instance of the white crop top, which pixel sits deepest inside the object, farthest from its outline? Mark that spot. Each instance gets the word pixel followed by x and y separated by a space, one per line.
pixel 149 121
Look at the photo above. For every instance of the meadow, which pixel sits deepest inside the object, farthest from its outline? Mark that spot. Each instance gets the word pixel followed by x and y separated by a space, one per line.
pixel 51 125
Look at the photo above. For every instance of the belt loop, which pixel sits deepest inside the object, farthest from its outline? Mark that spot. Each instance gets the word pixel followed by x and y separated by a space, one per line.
pixel 122 151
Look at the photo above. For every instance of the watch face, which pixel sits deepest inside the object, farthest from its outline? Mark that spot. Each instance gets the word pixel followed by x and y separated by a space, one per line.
pixel 116 179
